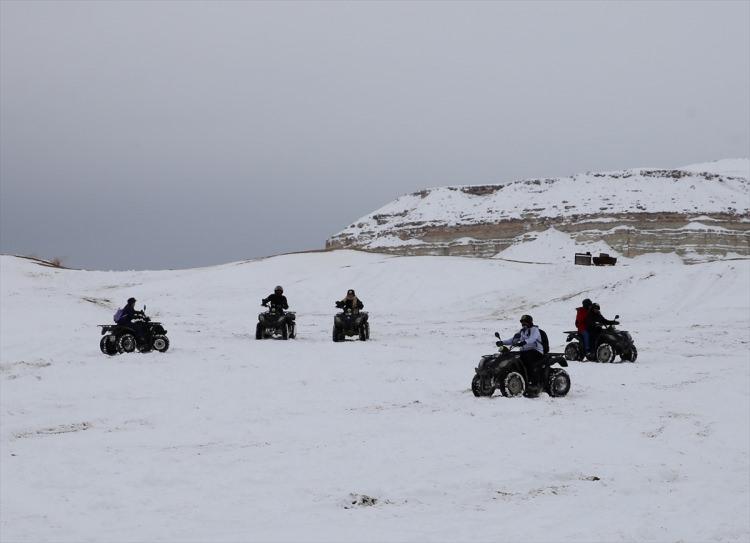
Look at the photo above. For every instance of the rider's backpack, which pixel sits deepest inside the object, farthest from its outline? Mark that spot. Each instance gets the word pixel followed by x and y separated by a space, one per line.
pixel 545 341
pixel 118 314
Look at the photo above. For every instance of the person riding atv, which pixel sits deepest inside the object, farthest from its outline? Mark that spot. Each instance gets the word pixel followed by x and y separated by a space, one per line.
pixel 277 299
pixel 506 371
pixel 351 321
pixel 529 340
pixel 606 342
pixel 582 314
pixel 350 302
pixel 595 321
pixel 132 330
pixel 125 316
pixel 276 321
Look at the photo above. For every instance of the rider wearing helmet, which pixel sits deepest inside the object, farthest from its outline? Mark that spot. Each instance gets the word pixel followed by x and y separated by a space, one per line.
pixel 529 340
pixel 277 299
pixel 350 301
pixel 582 314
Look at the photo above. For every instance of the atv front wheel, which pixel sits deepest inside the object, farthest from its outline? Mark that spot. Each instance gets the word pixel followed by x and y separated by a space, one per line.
pixel 259 331
pixel 363 332
pixel 573 351
pixel 630 356
pixel 284 331
pixel 558 383
pixel 605 353
pixel 161 343
pixel 292 331
pixel 481 386
pixel 514 385
pixel 108 345
pixel 336 338
pixel 126 343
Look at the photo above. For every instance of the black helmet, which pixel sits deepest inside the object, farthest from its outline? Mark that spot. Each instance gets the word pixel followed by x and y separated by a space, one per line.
pixel 595 306
pixel 131 300
pixel 586 303
pixel 527 318
pixel 278 289
pixel 350 292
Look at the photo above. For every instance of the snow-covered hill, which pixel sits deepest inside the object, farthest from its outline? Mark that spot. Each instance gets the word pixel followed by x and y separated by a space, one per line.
pixel 699 211
pixel 225 438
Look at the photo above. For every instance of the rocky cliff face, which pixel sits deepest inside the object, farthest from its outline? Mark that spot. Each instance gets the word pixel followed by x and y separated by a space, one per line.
pixel 698 212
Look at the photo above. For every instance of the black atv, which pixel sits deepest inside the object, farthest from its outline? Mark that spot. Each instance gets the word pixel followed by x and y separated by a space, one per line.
pixel 609 343
pixel 348 323
pixel 276 323
pixel 505 371
pixel 144 335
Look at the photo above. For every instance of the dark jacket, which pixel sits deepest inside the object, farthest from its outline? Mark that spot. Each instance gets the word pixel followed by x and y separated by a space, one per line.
pixel 128 314
pixel 355 304
pixel 581 318
pixel 595 320
pixel 276 300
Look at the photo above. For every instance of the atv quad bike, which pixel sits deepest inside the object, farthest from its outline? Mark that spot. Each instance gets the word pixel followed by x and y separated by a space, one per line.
pixel 609 343
pixel 348 323
pixel 505 371
pixel 143 335
pixel 276 323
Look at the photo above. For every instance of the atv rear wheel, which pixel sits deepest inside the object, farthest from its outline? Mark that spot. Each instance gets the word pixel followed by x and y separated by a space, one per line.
pixel 573 351
pixel 481 386
pixel 108 345
pixel 514 385
pixel 292 331
pixel 284 331
pixel 126 343
pixel 558 383
pixel 363 332
pixel 160 343
pixel 605 353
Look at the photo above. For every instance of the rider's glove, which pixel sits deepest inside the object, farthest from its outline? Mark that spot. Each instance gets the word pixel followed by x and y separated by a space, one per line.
pixel 520 343
pixel 499 343
pixel 615 322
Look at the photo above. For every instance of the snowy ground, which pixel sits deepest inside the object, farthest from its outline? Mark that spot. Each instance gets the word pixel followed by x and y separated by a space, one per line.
pixel 225 438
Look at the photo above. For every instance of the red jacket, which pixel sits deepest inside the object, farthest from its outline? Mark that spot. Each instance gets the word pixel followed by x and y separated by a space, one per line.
pixel 581 315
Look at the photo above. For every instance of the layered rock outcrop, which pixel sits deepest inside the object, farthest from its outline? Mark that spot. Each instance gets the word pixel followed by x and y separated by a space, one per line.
pixel 699 212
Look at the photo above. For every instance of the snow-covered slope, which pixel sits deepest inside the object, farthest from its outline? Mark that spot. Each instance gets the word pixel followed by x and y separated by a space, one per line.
pixel 636 211
pixel 225 438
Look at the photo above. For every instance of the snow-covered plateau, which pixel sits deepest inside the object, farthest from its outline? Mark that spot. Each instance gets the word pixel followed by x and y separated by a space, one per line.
pixel 699 212
pixel 225 438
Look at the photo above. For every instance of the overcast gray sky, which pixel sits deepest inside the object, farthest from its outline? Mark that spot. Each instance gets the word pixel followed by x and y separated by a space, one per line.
pixel 158 135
